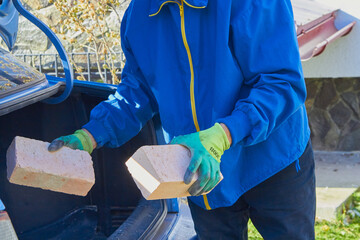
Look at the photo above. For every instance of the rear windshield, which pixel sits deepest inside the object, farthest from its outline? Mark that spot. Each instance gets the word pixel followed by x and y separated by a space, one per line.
pixel 15 74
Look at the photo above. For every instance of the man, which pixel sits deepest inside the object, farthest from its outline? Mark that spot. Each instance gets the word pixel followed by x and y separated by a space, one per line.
pixel 226 79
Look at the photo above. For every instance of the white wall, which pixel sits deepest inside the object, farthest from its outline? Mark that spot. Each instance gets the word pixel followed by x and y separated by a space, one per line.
pixel 352 7
pixel 341 58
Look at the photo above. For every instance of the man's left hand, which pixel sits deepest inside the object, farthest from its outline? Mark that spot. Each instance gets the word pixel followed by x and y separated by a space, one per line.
pixel 206 149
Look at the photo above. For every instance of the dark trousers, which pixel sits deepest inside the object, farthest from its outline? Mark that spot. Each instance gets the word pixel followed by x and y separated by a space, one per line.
pixel 282 207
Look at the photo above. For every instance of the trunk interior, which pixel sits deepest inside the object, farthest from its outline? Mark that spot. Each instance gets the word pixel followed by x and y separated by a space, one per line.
pixel 43 214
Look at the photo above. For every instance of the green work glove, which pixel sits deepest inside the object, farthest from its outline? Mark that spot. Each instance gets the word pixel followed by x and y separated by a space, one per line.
pixel 79 140
pixel 206 149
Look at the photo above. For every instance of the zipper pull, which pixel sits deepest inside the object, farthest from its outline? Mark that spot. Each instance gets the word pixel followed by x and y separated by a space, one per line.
pixel 181 10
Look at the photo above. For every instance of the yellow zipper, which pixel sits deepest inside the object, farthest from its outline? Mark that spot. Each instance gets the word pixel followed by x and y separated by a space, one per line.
pixel 192 95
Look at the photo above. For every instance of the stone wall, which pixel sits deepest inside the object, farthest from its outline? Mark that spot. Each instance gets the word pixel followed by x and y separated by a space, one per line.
pixel 334 113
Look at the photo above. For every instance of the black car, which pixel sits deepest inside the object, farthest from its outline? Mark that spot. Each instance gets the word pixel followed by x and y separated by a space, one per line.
pixel 42 107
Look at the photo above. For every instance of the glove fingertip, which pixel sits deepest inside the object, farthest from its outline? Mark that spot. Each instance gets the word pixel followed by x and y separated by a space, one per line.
pixel 192 193
pixel 55 145
pixel 188 176
pixel 194 189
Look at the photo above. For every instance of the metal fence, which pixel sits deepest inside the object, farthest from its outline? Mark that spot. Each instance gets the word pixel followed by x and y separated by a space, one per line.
pixel 50 64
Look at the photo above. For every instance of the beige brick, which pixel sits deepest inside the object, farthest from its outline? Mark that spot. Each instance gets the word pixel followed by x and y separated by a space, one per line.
pixel 158 171
pixel 29 163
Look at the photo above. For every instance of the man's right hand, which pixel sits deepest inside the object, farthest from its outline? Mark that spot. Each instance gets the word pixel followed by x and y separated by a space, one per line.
pixel 81 140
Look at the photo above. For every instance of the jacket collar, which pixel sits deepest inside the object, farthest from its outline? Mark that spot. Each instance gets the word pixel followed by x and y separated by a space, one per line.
pixel 156 5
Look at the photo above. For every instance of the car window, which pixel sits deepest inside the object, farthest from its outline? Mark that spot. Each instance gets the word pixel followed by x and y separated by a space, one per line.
pixel 15 74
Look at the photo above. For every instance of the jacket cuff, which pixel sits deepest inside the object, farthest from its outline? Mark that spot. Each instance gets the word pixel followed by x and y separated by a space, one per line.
pixel 239 126
pixel 98 131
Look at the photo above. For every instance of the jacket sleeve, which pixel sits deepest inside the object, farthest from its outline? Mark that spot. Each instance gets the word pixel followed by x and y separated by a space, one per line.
pixel 263 41
pixel 116 120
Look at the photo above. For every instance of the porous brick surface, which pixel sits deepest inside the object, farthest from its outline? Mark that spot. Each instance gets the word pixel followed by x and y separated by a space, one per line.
pixel 29 163
pixel 158 171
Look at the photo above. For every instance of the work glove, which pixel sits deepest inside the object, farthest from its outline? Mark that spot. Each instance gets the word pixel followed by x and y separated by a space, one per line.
pixel 206 149
pixel 79 140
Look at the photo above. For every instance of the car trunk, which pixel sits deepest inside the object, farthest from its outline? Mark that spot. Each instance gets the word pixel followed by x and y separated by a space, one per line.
pixel 43 214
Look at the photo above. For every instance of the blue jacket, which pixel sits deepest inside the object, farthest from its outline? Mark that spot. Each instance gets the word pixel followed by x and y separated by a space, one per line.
pixel 197 62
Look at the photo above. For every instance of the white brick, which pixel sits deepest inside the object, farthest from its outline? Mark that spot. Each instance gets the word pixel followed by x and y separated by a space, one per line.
pixel 69 171
pixel 158 171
